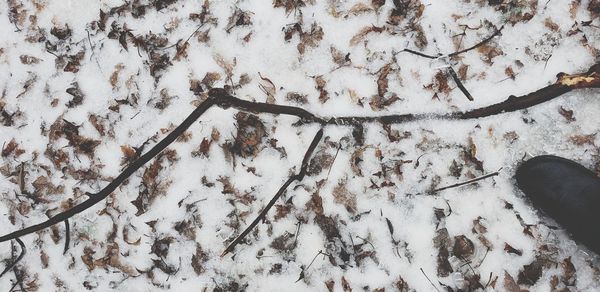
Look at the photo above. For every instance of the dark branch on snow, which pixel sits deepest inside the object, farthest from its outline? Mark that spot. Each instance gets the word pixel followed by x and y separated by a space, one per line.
pixel 220 98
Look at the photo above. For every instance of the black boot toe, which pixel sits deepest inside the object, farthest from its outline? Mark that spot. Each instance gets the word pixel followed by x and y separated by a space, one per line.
pixel 567 192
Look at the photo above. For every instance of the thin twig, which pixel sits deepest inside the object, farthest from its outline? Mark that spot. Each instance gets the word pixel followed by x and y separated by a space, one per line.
pixel 467 182
pixel 421 54
pixel 19 258
pixel 188 39
pixel 459 83
pixel 479 44
pixel 434 286
pixel 282 189
pixel 311 262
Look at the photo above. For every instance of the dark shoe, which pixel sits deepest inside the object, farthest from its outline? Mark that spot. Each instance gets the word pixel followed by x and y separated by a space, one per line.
pixel 567 192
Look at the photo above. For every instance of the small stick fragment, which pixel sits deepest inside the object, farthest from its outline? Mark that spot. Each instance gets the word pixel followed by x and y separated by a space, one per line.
pixel 67 236
pixel 459 83
pixel 467 182
pixel 421 54
pixel 22 178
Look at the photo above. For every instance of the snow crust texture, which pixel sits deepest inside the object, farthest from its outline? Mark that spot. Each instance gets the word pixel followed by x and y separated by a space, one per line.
pixel 87 86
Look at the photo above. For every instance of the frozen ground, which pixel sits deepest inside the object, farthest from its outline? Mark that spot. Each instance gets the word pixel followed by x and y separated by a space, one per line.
pixel 84 84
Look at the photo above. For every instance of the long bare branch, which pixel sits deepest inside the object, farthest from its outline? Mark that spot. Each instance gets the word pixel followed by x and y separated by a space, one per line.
pixel 220 98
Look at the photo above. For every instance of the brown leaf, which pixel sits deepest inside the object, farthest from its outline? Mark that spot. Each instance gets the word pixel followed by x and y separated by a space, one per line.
pixel 567 114
pixel 440 83
pixel 203 148
pixel 378 102
pixel 43 187
pixel 44 259
pixel 401 285
pixel 28 60
pixel 329 226
pixel 469 155
pixel 406 9
pixel 64 128
pixel 61 33
pixel 151 186
pixel 359 8
pixel 315 203
pixel 510 136
pixel 345 285
pixel 377 4
pixel 112 259
pixel 355 160
pixel 160 247
pixel 87 258
pixel 129 154
pixel 320 161
pixel 186 228
pixel 532 272
pixel 321 83
pixel 239 18
pixel 360 36
pixel 284 242
pixel 509 72
pixel 282 211
pixel 568 277
pixel 580 140
pixel 74 62
pixel 98 125
pixel 297 97
pixel 489 52
pixel 181 51
pixel 126 238
pixel 310 39
pixel 330 284
pixel 420 38
pixel 199 259
pixel 210 79
pixel 463 247
pixel 339 58
pixel 114 77
pixel 441 242
pixel 250 135
pixel 196 87
pixel 551 24
pixel 342 196
pixel 509 249
pixel 462 72
pixel 509 283
pixel 290 5
pixel 12 148
pixel 382 81
pixel 227 66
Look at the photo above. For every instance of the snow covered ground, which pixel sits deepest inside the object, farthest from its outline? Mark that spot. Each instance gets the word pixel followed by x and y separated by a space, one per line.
pixel 89 85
